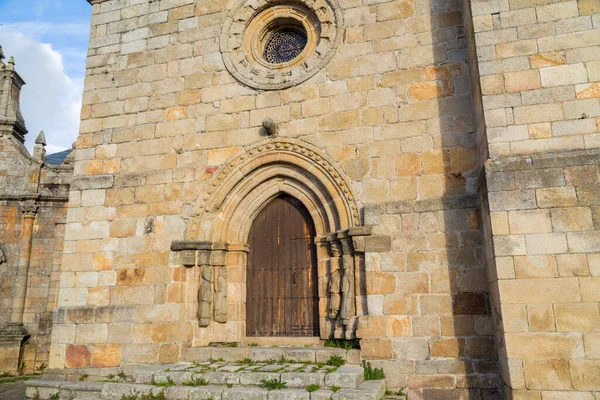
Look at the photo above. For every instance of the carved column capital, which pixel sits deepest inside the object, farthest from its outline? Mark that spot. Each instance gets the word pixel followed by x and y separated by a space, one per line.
pixel 334 245
pixel 29 209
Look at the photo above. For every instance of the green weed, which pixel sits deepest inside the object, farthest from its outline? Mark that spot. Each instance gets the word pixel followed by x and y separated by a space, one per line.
pixel 313 388
pixel 336 361
pixel 196 382
pixel 272 384
pixel 373 374
pixel 342 343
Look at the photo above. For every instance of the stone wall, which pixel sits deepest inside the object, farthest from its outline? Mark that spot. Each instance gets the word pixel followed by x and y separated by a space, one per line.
pixel 50 189
pixel 538 63
pixel 161 114
pixel 33 199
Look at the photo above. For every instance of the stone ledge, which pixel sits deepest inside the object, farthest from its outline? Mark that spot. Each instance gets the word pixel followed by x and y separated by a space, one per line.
pixel 93 182
pixel 543 160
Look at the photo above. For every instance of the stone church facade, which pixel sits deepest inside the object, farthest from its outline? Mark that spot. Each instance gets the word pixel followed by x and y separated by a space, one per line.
pixel 440 156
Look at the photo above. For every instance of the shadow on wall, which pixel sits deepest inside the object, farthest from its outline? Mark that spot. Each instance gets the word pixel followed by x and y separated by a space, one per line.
pixel 465 344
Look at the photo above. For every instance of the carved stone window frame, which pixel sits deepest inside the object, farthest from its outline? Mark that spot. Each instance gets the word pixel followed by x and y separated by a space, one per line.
pixel 248 27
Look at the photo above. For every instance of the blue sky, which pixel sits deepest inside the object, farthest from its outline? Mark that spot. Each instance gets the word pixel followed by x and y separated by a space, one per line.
pixel 49 40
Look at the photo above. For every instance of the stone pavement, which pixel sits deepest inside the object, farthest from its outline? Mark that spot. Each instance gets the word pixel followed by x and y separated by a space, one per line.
pixel 12 391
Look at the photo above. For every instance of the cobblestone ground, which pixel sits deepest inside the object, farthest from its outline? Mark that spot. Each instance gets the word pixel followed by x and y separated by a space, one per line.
pixel 12 391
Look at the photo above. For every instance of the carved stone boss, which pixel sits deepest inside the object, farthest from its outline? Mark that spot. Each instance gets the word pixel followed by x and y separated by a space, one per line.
pixel 212 293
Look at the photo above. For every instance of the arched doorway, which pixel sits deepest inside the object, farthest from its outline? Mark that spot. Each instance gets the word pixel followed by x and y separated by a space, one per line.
pixel 282 281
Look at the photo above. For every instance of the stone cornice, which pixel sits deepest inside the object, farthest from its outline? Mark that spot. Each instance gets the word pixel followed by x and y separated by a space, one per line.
pixel 543 160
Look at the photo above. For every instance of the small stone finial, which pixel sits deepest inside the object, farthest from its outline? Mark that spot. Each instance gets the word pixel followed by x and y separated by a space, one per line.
pixel 41 139
pixel 270 127
pixel 39 151
pixel 11 60
pixel 1 55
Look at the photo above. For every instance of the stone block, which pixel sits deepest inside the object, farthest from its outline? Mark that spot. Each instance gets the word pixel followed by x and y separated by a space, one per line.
pixel 547 375
pixel 303 379
pixel 546 243
pixel 509 245
pixel 448 348
pixel 514 317
pixel 265 354
pixel 556 197
pixel 585 374
pixel 540 290
pixel 291 394
pixel 572 265
pixel 572 219
pixel 538 113
pixel 522 80
pixel 78 356
pixel 411 348
pixel 584 242
pixel 376 349
pixel 536 266
pixel 577 317
pixel 347 376
pixel 529 221
pixel 245 394
pixel 591 343
pixel 540 178
pixel 544 345
pixel 512 200
pixel 590 288
pixel 541 318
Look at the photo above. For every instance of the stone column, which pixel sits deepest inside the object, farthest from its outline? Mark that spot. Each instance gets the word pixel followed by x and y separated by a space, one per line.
pixel 205 291
pixel 218 258
pixel 348 308
pixel 335 282
pixel 29 210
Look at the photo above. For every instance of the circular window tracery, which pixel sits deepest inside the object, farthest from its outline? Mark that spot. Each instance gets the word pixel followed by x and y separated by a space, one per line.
pixel 284 46
pixel 271 46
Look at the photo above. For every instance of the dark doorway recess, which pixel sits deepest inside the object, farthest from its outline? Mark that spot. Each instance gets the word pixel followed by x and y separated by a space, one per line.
pixel 282 293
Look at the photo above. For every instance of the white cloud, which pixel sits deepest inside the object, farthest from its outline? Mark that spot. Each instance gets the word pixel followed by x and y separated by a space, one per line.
pixel 51 99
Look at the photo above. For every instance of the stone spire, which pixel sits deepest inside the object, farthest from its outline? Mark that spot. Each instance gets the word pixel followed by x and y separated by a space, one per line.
pixel 11 119
pixel 39 151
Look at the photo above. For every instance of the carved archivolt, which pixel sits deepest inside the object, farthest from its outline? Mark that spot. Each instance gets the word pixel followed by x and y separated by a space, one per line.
pixel 247 181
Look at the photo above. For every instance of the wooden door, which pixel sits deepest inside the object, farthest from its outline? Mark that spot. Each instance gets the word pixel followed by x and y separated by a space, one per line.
pixel 281 296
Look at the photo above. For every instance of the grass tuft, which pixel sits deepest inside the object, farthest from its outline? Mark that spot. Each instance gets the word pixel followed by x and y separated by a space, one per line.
pixel 373 374
pixel 313 388
pixel 336 361
pixel 273 384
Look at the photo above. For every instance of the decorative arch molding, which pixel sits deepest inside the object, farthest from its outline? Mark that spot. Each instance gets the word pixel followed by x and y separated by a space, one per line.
pixel 290 164
pixel 235 195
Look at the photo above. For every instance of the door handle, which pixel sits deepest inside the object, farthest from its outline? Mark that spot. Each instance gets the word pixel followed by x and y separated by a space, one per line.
pixel 294 278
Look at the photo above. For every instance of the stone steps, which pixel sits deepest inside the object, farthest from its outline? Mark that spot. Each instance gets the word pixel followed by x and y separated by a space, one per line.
pixel 258 353
pixel 217 380
pixel 46 390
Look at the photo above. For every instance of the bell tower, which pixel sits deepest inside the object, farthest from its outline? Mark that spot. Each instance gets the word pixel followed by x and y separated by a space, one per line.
pixel 11 119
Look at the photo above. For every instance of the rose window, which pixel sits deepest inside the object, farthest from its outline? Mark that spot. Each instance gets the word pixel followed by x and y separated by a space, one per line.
pixel 284 45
